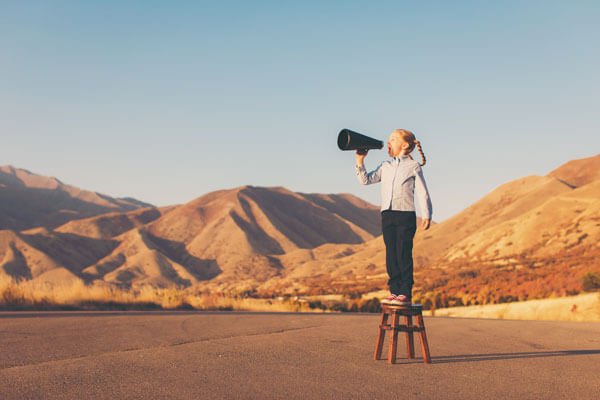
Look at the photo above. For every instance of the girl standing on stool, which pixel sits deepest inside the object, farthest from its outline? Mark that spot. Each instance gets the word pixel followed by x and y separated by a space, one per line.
pixel 400 178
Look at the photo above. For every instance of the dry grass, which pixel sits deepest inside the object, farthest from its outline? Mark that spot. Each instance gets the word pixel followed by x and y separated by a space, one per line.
pixel 584 307
pixel 30 295
pixel 45 296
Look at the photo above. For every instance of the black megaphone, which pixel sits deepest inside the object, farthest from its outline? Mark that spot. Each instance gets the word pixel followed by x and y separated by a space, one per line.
pixel 350 140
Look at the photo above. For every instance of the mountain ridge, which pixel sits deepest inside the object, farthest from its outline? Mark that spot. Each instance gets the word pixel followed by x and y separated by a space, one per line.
pixel 29 200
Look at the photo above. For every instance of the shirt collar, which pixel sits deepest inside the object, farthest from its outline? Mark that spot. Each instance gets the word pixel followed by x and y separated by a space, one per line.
pixel 401 157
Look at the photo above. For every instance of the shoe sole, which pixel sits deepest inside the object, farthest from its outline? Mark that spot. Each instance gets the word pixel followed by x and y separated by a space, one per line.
pixel 400 303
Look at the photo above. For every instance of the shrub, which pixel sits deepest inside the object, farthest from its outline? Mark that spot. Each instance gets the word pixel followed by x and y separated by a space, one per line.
pixel 352 294
pixel 455 302
pixel 371 305
pixel 468 274
pixel 341 307
pixel 431 301
pixel 507 299
pixel 590 282
pixel 317 304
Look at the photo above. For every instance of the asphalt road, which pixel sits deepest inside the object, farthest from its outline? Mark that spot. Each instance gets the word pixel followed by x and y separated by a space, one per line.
pixel 230 355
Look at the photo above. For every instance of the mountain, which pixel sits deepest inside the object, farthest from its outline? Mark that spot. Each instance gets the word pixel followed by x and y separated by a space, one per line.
pixel 29 200
pixel 228 237
pixel 507 202
pixel 531 237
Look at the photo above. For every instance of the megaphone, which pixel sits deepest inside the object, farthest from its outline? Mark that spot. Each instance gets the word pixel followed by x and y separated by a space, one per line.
pixel 350 140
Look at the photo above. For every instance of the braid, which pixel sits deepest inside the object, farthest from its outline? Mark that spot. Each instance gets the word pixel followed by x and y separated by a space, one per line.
pixel 420 151
pixel 409 137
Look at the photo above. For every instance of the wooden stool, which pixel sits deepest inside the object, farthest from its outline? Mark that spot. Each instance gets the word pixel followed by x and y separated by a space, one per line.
pixel 407 311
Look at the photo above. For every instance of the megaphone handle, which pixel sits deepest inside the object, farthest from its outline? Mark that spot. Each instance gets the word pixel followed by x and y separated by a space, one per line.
pixel 362 152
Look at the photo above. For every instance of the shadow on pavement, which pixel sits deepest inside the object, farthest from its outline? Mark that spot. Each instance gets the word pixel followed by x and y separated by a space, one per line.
pixel 508 356
pixel 494 356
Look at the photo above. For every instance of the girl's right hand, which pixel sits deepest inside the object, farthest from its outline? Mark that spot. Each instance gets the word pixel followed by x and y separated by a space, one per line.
pixel 360 156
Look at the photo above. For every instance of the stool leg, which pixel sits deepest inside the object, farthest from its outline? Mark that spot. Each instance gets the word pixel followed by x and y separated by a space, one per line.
pixel 393 339
pixel 410 342
pixel 423 335
pixel 381 335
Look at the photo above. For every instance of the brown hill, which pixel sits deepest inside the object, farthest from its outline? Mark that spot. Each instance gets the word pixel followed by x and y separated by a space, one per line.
pixel 106 226
pixel 531 237
pixel 142 259
pixel 564 221
pixel 48 256
pixel 243 230
pixel 29 200
pixel 266 221
pixel 229 237
pixel 508 201
pixel 580 172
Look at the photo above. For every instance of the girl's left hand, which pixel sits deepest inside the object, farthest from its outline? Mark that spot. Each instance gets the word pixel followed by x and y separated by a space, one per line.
pixel 425 223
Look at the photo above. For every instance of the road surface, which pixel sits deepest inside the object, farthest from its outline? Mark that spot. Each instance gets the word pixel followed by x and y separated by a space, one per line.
pixel 238 355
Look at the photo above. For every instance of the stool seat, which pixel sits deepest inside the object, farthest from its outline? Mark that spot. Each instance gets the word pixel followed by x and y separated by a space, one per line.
pixel 407 311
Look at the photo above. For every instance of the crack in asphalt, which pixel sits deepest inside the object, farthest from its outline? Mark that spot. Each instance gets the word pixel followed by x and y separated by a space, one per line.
pixel 279 331
pixel 245 335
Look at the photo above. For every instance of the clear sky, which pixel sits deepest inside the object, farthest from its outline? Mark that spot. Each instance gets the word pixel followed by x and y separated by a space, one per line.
pixel 168 100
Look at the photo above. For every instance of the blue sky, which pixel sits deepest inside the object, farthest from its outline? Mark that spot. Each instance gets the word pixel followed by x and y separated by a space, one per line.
pixel 166 101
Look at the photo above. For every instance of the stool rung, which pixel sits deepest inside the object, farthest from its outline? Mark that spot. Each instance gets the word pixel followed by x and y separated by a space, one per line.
pixel 401 328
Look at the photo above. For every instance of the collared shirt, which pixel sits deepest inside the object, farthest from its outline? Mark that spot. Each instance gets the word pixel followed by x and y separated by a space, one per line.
pixel 400 179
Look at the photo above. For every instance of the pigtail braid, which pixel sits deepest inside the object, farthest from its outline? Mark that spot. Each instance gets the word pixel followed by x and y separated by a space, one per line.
pixel 409 137
pixel 418 144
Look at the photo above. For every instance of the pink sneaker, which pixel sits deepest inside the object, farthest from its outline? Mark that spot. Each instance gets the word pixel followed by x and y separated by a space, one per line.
pixel 401 300
pixel 389 299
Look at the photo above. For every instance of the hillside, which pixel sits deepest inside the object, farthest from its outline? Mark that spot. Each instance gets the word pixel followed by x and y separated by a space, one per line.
pixel 29 200
pixel 229 236
pixel 529 238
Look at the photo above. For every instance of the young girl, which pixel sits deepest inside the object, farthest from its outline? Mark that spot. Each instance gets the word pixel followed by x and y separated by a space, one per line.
pixel 400 179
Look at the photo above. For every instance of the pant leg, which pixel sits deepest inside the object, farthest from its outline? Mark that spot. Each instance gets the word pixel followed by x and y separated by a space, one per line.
pixel 405 232
pixel 399 229
pixel 388 228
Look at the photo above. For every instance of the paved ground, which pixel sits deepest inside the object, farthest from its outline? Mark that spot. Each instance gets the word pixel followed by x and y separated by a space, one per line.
pixel 229 355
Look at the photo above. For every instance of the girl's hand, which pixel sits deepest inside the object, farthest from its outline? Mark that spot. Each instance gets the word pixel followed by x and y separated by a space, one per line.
pixel 425 223
pixel 360 156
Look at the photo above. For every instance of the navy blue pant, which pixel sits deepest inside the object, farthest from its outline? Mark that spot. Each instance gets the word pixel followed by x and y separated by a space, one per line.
pixel 399 229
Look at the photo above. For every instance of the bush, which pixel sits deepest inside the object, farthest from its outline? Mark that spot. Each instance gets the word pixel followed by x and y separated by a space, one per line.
pixel 590 282
pixel 427 303
pixel 432 301
pixel 353 295
pixel 341 307
pixel 317 304
pixel 468 274
pixel 371 305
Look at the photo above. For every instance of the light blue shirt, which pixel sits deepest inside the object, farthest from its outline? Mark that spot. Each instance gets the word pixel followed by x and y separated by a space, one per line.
pixel 400 179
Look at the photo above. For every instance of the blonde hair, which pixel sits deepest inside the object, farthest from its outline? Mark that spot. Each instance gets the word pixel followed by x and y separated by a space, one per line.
pixel 409 138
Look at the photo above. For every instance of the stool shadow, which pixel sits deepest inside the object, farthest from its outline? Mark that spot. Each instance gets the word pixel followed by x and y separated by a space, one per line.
pixel 508 356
